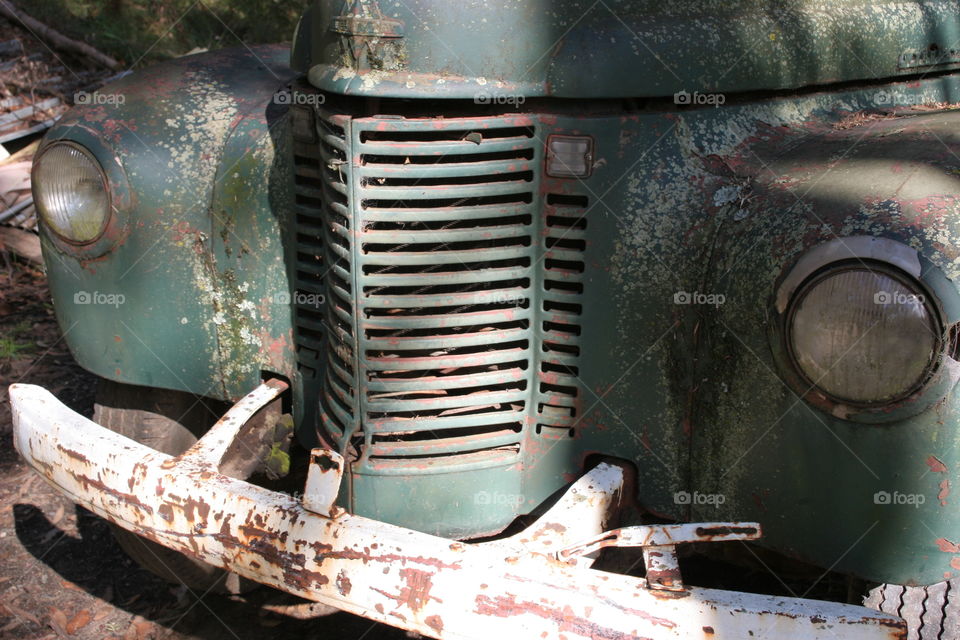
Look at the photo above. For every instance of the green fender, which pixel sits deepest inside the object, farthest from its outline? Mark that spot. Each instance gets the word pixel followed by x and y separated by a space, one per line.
pixel 193 256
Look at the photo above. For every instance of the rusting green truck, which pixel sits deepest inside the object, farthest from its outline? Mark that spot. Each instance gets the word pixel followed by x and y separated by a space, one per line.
pixel 539 286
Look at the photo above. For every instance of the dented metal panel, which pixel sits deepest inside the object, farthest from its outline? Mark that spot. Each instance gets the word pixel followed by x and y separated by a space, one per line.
pixel 438 587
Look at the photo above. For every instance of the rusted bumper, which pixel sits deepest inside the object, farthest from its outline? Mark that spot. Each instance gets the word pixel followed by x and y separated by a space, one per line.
pixel 537 584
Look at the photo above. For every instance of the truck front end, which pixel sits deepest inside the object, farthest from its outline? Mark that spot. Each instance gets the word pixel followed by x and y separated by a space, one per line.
pixel 534 280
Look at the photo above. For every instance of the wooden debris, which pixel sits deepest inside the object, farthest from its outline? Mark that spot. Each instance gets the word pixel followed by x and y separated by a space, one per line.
pixel 23 243
pixel 55 38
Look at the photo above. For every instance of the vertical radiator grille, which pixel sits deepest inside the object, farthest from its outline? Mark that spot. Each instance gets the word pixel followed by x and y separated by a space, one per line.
pixel 564 243
pixel 446 271
pixel 309 265
pixel 339 396
pixel 453 292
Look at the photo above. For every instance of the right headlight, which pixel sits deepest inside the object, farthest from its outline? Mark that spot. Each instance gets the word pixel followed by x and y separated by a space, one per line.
pixel 71 192
pixel 863 336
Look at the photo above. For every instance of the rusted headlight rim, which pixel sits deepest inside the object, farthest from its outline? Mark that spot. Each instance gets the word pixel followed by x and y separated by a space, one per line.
pixel 121 197
pixel 894 273
pixel 103 179
pixel 890 256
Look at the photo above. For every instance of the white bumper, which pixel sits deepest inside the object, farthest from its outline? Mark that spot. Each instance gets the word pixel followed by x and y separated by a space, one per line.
pixel 513 588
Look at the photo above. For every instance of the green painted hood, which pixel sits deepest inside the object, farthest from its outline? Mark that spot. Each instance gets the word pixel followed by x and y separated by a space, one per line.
pixel 494 49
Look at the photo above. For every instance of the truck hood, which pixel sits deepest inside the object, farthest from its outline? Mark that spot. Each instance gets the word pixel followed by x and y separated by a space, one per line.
pixel 483 49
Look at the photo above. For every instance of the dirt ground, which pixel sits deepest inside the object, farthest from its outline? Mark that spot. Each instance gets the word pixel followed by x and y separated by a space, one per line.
pixel 61 573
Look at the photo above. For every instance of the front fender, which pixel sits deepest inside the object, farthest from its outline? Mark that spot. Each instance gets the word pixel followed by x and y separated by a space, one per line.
pixel 880 188
pixel 195 244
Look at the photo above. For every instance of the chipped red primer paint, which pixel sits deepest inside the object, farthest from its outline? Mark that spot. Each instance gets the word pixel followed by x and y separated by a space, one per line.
pixel 325 551
pixel 946 546
pixel 566 620
pixel 343 583
pixel 416 593
pixel 435 623
pixel 936 466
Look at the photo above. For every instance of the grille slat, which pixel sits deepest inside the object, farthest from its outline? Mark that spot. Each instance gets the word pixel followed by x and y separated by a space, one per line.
pixel 401 425
pixel 450 257
pixel 446 321
pixel 433 448
pixel 433 236
pixel 472 298
pixel 446 361
pixel 495 274
pixel 447 192
pixel 423 215
pixel 425 405
pixel 433 383
pixel 447 148
pixel 448 341
pixel 480 168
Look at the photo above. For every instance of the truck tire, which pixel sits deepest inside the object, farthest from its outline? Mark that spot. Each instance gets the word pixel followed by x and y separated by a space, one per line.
pixel 170 422
pixel 932 613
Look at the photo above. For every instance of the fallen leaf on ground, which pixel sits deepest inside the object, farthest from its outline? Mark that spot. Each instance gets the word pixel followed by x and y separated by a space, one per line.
pixel 78 622
pixel 58 620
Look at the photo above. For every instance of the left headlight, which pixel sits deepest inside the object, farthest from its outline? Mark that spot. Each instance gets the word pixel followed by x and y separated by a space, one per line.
pixel 71 192
pixel 864 336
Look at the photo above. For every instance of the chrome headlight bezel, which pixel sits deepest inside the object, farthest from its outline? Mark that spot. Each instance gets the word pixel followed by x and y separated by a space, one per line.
pixel 46 216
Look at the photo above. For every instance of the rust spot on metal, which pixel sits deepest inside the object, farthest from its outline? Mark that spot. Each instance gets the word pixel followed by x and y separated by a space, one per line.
pixel 126 498
pixel 416 593
pixel 325 551
pixel 435 623
pixel 166 512
pixel 75 455
pixel 343 583
pixel 565 620
pixel 190 505
pixel 325 463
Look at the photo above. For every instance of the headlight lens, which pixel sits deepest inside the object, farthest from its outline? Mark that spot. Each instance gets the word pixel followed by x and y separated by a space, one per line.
pixel 71 192
pixel 863 336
